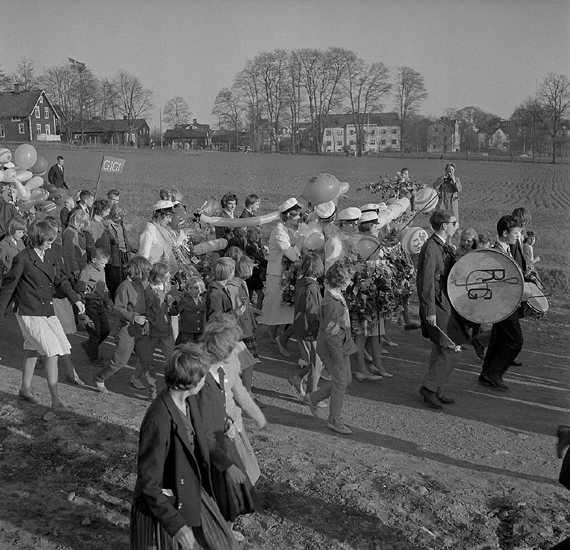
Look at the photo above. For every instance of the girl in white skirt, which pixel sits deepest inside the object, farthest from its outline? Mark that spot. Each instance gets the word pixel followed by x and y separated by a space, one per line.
pixel 30 284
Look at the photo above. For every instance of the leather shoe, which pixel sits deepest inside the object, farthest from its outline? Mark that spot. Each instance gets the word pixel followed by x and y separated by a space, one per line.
pixel 516 363
pixel 430 397
pixel 445 400
pixel 563 434
pixel 479 349
pixel 493 381
pixel 29 398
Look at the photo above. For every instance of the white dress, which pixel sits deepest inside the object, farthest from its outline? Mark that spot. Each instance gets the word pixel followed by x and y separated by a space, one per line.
pixel 281 243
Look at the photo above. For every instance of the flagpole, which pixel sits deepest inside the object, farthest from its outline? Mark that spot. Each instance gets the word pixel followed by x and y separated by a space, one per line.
pixel 160 122
pixel 98 182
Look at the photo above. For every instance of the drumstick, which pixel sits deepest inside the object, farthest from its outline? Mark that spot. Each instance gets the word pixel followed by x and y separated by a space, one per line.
pixel 456 348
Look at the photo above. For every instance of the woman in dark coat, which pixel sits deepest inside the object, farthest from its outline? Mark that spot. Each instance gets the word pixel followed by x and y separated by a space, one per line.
pixel 172 501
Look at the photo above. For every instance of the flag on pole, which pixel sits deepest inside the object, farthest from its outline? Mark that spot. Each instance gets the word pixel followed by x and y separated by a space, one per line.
pixel 76 64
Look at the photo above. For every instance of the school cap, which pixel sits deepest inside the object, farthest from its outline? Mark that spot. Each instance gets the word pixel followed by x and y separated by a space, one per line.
pixel 325 209
pixel 368 217
pixel 350 214
pixel 163 205
pixel 288 204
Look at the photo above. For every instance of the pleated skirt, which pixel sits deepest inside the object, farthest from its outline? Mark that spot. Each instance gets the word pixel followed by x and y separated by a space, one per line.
pixel 44 335
pixel 213 534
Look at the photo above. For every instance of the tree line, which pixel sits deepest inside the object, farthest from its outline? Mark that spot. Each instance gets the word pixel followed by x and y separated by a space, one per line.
pixel 285 88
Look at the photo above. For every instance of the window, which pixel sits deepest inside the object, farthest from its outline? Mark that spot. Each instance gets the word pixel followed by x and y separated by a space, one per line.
pixel 41 99
pixel 328 143
pixel 37 111
pixel 351 142
pixel 328 133
pixel 2 131
pixel 39 129
pixel 21 128
pixel 383 142
pixel 372 142
pixel 372 132
pixel 394 131
pixel 16 118
pixel 351 132
pixel 339 143
pixel 46 112
pixel 383 131
pixel 394 141
pixel 48 130
pixel 339 132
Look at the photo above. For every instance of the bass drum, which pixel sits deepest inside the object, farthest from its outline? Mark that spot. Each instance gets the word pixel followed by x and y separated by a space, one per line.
pixel 485 286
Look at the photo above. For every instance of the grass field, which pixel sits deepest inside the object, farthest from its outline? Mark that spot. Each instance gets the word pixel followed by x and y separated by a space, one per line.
pixel 490 189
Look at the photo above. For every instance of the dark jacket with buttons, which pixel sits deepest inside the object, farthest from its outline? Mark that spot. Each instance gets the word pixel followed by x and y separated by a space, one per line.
pixel 169 460
pixel 30 283
pixel 192 314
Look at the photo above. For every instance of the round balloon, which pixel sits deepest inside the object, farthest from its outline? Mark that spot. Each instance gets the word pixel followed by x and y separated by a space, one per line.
pixel 58 197
pixel 413 239
pixel 35 182
pixel 48 207
pixel 49 187
pixel 321 188
pixel 368 248
pixel 211 207
pixel 5 156
pixel 425 199
pixel 315 241
pixel 25 156
pixel 40 166
pixel 39 194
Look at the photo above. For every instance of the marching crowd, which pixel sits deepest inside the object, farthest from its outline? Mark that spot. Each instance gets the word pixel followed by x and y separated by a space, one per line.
pixel 313 282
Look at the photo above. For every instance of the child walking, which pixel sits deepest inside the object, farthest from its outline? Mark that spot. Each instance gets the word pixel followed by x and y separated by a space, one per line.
pixel 30 283
pixel 218 330
pixel 218 299
pixel 11 244
pixel 132 322
pixel 233 490
pixel 191 308
pixel 306 322
pixel 92 285
pixel 335 346
pixel 158 300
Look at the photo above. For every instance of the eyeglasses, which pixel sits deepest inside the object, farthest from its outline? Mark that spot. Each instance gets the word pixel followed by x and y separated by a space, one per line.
pixel 452 223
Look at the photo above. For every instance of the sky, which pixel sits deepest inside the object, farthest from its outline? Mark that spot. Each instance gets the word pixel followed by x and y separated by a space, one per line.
pixel 486 53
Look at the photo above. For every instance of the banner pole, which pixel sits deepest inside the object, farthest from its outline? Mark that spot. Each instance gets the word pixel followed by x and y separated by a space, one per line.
pixel 98 180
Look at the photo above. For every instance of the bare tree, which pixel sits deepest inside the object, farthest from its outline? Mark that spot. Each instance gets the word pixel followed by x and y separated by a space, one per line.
pixel 366 86
pixel 322 73
pixel 108 99
pixel 471 120
pixel 247 87
pixel 176 112
pixel 410 92
pixel 25 75
pixel 134 100
pixel 5 81
pixel 227 109
pixel 553 100
pixel 275 88
pixel 296 97
pixel 61 84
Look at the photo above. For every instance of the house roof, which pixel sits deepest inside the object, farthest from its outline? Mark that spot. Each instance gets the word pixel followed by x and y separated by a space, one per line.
pixel 21 104
pixel 379 119
pixel 103 126
pixel 186 132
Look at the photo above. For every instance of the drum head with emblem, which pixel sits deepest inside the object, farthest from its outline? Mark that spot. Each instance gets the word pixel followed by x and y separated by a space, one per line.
pixel 485 286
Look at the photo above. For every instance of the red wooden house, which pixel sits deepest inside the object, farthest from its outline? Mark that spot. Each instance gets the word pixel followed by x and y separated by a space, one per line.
pixel 27 116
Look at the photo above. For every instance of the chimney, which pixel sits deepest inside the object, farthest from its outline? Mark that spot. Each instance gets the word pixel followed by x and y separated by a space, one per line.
pixel 16 87
pixel 124 117
pixel 195 121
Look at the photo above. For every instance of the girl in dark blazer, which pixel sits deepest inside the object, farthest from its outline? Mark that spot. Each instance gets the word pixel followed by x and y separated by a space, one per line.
pixel 191 308
pixel 218 299
pixel 30 284
pixel 172 499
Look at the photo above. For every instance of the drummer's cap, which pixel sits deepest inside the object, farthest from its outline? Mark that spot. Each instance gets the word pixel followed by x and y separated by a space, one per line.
pixel 350 214
pixel 325 210
pixel 368 217
pixel 373 207
pixel 289 204
pixel 164 206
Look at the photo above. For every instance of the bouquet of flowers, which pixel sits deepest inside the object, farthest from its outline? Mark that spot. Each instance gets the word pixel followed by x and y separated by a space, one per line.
pixel 289 280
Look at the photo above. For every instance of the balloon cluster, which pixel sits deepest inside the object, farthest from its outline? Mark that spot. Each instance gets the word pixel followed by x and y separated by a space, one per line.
pixel 25 180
